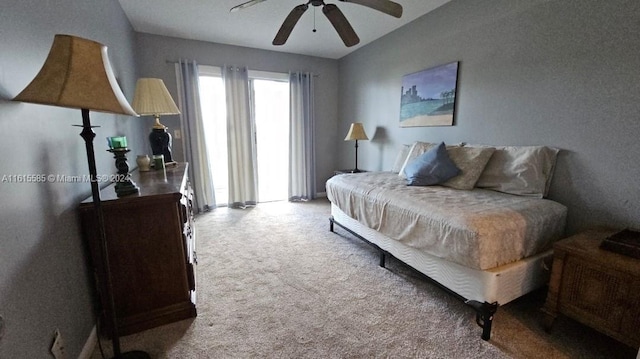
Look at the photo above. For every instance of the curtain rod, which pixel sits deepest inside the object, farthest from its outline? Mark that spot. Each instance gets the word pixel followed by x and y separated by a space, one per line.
pixel 175 62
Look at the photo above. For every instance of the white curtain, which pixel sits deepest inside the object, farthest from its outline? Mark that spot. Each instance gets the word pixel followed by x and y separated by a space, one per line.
pixel 243 184
pixel 194 146
pixel 301 134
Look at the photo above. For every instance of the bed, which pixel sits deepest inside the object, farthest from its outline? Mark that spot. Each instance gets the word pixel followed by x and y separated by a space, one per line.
pixel 484 234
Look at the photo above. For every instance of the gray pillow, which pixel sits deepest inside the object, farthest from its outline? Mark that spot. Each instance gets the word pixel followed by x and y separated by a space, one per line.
pixel 431 168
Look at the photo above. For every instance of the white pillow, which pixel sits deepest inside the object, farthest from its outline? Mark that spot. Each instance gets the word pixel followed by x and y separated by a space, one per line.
pixel 400 158
pixel 520 170
pixel 416 150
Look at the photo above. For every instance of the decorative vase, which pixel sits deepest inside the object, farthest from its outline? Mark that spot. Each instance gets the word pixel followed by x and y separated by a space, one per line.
pixel 160 141
pixel 143 162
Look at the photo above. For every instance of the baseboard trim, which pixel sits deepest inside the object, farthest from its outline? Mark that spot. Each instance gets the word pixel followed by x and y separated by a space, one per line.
pixel 321 194
pixel 89 345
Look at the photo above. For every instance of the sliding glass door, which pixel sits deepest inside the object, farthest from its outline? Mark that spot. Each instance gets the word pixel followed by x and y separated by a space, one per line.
pixel 270 115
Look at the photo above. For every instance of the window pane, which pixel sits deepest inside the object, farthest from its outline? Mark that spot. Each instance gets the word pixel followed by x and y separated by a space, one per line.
pixel 271 101
pixel 214 116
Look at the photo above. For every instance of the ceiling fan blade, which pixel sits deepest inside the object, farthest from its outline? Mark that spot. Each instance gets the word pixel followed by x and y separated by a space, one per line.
pixel 386 6
pixel 245 5
pixel 289 23
pixel 341 24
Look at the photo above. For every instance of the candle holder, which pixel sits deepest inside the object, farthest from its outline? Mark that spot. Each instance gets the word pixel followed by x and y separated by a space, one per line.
pixel 117 142
pixel 124 184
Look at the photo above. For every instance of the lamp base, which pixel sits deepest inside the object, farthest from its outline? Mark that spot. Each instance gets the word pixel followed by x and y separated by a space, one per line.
pixel 136 354
pixel 125 188
pixel 356 171
pixel 160 141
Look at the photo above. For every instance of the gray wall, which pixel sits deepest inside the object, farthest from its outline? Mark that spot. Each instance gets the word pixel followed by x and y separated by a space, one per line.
pixel 558 73
pixel 44 279
pixel 156 54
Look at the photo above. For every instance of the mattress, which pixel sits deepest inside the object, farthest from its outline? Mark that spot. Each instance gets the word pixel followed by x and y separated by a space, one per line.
pixel 479 229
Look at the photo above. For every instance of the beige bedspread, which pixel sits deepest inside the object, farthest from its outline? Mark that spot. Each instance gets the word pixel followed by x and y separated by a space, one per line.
pixel 480 229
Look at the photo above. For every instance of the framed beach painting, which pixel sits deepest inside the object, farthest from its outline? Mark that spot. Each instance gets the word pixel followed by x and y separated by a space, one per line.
pixel 429 97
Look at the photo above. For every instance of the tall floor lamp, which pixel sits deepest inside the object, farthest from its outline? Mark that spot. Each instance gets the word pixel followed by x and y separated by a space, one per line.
pixel 77 74
pixel 356 132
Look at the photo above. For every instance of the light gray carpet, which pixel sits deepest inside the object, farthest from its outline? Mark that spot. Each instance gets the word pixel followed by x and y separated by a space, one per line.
pixel 273 282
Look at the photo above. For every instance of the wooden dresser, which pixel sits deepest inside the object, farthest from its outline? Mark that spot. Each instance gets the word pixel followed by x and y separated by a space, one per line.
pixel 151 245
pixel 596 287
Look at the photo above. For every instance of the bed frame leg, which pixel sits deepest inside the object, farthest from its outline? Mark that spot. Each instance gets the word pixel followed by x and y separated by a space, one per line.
pixel 484 316
pixel 484 311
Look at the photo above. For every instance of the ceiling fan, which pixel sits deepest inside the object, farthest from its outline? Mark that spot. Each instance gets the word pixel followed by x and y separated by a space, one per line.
pixel 333 13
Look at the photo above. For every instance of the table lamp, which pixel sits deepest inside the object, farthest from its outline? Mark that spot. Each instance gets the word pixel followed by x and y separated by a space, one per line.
pixel 77 74
pixel 356 132
pixel 153 98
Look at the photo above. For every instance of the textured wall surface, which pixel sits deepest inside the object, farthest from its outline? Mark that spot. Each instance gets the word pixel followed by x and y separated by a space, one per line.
pixel 556 73
pixel 44 279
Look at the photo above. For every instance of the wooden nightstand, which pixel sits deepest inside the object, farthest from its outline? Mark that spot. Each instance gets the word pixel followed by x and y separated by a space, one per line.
pixel 596 287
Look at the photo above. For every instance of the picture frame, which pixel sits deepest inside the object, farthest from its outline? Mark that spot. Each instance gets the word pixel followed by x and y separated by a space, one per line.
pixel 428 97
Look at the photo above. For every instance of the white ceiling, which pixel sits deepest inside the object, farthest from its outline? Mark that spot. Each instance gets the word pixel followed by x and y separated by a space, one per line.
pixel 256 26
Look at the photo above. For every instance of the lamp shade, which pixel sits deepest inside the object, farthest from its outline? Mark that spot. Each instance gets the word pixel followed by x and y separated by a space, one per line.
pixel 77 74
pixel 356 132
pixel 153 98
